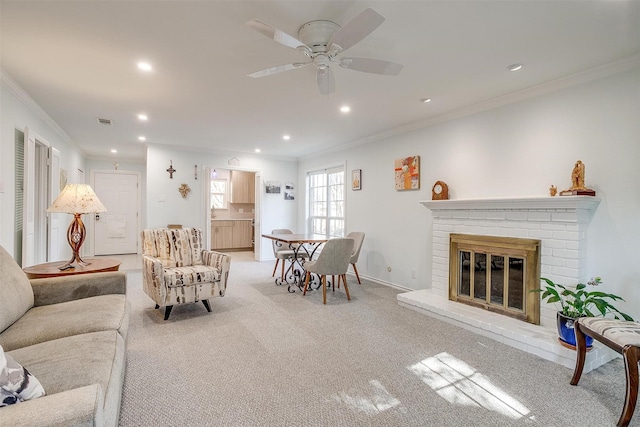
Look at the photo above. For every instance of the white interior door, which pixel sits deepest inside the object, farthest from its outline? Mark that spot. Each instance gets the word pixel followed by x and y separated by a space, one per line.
pixel 116 230
pixel 55 229
pixel 29 200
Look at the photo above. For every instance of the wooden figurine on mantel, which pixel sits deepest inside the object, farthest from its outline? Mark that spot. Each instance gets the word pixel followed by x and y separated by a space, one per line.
pixel 577 183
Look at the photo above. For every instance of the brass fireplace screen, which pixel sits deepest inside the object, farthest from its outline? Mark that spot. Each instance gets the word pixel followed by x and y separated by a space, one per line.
pixel 496 273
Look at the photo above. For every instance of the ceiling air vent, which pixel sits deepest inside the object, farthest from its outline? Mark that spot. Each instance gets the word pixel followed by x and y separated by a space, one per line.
pixel 106 122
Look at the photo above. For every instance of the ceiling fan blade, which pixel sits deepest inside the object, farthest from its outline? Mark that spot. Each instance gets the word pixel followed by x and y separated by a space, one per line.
pixel 276 34
pixel 355 30
pixel 369 65
pixel 326 83
pixel 278 69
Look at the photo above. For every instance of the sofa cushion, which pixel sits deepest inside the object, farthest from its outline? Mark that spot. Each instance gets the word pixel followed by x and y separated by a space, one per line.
pixel 16 295
pixel 78 361
pixel 186 276
pixel 16 383
pixel 50 322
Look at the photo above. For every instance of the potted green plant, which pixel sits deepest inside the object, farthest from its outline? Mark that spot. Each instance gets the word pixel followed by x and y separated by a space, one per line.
pixel 579 302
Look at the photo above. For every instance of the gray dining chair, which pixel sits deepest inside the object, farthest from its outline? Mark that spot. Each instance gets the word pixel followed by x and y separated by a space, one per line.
pixel 358 238
pixel 334 261
pixel 282 251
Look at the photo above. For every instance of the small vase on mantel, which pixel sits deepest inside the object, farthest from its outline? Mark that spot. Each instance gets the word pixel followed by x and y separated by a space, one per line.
pixel 566 332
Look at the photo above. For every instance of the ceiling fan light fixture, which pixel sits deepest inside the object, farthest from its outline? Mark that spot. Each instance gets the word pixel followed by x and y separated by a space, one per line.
pixel 515 67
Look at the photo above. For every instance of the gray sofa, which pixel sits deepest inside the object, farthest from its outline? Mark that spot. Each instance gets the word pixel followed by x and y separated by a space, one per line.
pixel 70 333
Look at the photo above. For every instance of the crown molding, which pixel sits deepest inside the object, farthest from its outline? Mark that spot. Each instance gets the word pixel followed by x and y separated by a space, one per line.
pixel 527 93
pixel 34 107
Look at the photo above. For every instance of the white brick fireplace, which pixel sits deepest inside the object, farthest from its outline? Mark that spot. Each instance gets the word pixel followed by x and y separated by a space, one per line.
pixel 560 223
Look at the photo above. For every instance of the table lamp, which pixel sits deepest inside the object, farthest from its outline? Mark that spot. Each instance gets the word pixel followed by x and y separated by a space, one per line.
pixel 76 199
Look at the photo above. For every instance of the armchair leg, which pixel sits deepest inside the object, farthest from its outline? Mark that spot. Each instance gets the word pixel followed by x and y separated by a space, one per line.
pixel 630 354
pixel 275 267
pixel 355 269
pixel 206 305
pixel 167 311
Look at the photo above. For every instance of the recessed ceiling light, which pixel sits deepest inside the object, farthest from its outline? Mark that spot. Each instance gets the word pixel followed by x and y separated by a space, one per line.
pixel 257 150
pixel 345 108
pixel 286 137
pixel 113 150
pixel 142 138
pixel 425 100
pixel 144 66
pixel 143 117
pixel 514 67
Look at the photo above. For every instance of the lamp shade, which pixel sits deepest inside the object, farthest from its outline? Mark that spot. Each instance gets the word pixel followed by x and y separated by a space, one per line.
pixel 77 199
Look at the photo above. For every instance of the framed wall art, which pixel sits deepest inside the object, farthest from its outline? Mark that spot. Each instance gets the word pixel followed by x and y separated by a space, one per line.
pixel 407 173
pixel 356 179
pixel 289 191
pixel 273 187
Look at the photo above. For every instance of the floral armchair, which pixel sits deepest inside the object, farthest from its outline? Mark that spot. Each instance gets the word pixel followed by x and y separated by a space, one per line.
pixel 176 270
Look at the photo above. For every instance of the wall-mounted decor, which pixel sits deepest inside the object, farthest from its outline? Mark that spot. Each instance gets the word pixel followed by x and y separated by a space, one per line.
pixel 356 179
pixel 184 190
pixel 171 170
pixel 407 173
pixel 289 191
pixel 234 161
pixel 273 187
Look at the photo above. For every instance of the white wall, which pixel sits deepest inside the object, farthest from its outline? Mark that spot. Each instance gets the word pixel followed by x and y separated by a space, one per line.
pixel 190 212
pixel 18 111
pixel 514 150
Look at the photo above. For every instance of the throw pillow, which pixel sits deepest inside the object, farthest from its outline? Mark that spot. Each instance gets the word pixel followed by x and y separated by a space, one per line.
pixel 16 383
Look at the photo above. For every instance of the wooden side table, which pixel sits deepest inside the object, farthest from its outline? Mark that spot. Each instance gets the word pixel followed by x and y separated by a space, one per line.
pixel 50 269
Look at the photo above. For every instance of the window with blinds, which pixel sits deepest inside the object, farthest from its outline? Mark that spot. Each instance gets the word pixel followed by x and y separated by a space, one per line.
pixel 326 202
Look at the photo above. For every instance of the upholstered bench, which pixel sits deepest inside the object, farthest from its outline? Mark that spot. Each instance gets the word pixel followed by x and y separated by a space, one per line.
pixel 618 335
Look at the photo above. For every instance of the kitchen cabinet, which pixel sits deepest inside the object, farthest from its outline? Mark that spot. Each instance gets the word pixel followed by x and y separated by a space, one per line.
pixel 243 187
pixel 221 234
pixel 231 234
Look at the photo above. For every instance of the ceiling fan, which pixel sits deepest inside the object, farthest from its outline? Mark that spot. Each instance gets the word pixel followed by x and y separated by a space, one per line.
pixel 322 42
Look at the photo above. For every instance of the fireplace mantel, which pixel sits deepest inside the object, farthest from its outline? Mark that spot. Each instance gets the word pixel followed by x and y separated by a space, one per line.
pixel 518 203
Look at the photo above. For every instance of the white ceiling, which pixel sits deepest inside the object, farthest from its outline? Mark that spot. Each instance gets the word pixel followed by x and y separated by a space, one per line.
pixel 77 60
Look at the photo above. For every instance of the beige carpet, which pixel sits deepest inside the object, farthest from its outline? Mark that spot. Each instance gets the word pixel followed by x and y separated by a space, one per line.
pixel 266 357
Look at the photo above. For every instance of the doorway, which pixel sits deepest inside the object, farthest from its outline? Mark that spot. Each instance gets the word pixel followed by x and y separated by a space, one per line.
pixel 38 169
pixel 116 230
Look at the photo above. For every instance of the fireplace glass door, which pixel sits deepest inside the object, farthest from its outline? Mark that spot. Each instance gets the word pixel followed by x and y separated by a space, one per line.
pixel 496 274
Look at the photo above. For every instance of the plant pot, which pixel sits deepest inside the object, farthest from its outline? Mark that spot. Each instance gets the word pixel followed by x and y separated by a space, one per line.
pixel 566 331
